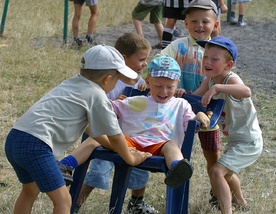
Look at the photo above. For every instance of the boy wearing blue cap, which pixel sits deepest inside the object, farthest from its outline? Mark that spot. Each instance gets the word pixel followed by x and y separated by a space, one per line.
pixel 156 124
pixel 59 119
pixel 238 121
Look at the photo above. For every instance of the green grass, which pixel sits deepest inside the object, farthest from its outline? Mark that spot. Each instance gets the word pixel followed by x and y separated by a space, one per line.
pixel 34 60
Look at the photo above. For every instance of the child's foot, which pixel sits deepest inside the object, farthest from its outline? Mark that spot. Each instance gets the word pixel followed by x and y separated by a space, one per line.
pixel 241 23
pixel 182 171
pixel 66 173
pixel 89 39
pixel 78 42
pixel 233 20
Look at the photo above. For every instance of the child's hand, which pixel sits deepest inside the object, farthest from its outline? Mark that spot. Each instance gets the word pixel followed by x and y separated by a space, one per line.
pixel 208 96
pixel 204 119
pixel 121 97
pixel 179 92
pixel 142 87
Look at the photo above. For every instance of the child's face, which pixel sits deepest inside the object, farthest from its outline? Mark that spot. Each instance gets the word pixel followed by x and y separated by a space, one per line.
pixel 161 88
pixel 137 61
pixel 200 23
pixel 215 64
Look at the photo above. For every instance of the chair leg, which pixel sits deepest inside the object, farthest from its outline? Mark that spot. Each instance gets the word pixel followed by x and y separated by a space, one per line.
pixel 175 199
pixel 78 177
pixel 119 187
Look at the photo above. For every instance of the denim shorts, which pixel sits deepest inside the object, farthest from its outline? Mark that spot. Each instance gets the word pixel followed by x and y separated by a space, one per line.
pixel 98 175
pixel 33 161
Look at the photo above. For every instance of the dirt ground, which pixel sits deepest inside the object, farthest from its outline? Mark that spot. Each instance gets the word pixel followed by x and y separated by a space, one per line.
pixel 256 43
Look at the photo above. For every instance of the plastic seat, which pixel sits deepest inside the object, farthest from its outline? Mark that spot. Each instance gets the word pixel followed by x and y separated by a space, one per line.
pixel 176 199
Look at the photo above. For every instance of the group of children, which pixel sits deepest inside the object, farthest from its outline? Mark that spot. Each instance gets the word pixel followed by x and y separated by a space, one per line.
pixel 139 127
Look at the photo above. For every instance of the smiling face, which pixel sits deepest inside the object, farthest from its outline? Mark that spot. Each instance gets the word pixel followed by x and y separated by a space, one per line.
pixel 200 23
pixel 137 61
pixel 162 89
pixel 216 62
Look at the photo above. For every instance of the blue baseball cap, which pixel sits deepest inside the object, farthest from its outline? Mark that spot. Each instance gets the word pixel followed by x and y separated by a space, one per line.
pixel 224 42
pixel 164 66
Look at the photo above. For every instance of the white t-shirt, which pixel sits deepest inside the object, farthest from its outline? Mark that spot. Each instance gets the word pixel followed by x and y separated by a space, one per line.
pixel 149 122
pixel 60 117
pixel 120 87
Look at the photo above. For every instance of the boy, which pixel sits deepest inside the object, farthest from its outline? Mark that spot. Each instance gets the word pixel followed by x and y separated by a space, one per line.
pixel 57 121
pixel 135 51
pixel 239 121
pixel 201 21
pixel 156 124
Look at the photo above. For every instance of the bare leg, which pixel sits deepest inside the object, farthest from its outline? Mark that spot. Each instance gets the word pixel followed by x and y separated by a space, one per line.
pixel 84 150
pixel 84 193
pixel 76 20
pixel 94 10
pixel 138 27
pixel 138 192
pixel 61 200
pixel 25 200
pixel 171 153
pixel 159 29
pixel 219 183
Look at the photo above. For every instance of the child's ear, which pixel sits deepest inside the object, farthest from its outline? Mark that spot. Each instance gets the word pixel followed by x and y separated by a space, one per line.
pixel 106 79
pixel 229 65
pixel 216 25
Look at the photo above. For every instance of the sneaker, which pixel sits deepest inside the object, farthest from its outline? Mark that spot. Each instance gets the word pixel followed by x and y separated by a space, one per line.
pixel 140 208
pixel 89 39
pixel 78 42
pixel 213 201
pixel 241 23
pixel 233 20
pixel 66 173
pixel 177 32
pixel 179 173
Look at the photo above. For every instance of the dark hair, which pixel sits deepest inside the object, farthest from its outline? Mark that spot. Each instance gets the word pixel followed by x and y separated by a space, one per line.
pixel 95 74
pixel 129 43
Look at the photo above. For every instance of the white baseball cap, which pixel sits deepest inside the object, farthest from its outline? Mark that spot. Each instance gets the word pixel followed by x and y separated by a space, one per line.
pixel 102 57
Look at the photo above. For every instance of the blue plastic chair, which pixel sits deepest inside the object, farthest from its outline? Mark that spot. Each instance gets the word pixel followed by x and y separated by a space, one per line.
pixel 176 199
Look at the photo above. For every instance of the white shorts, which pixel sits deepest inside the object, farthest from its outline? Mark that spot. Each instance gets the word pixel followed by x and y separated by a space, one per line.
pixel 239 155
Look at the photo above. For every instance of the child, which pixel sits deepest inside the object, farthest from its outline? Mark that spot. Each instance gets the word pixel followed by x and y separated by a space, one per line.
pixel 238 123
pixel 94 12
pixel 201 21
pixel 155 9
pixel 135 51
pixel 156 124
pixel 58 120
pixel 238 21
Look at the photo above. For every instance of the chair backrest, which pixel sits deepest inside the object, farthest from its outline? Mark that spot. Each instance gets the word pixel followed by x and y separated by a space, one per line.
pixel 216 106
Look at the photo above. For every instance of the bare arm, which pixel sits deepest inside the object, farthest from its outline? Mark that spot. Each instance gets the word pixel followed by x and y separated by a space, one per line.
pixel 119 145
pixel 234 87
pixel 223 6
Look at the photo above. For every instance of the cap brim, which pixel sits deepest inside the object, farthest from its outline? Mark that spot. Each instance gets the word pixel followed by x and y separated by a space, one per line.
pixel 203 43
pixel 128 72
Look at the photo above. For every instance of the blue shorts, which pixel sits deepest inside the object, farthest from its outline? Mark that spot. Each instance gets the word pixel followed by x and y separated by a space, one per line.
pixel 98 175
pixel 33 161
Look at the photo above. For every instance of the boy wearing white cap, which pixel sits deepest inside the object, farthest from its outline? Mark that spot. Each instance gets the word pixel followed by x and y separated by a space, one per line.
pixel 156 124
pixel 58 120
